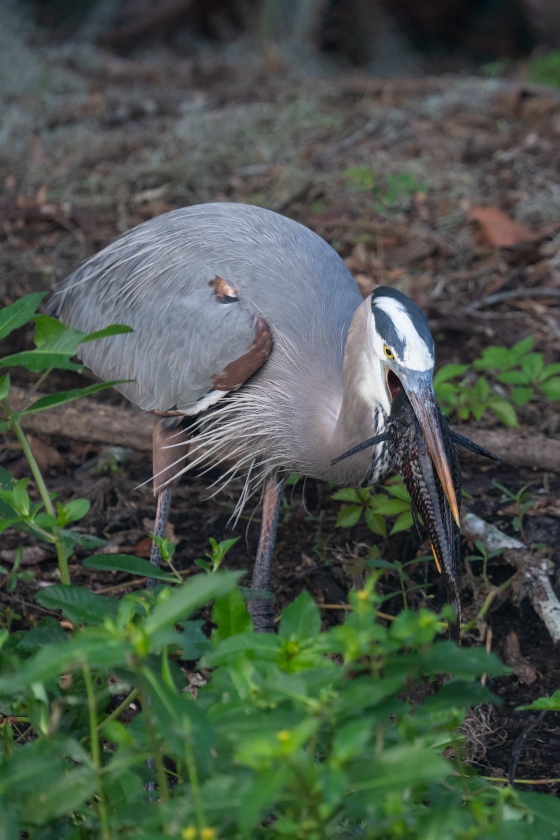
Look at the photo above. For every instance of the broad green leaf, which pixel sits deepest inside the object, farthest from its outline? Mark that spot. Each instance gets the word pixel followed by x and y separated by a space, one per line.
pixel 79 605
pixel 551 388
pixel 37 361
pixel 493 357
pixel 348 515
pixel 73 538
pixel 73 511
pixel 300 619
pixel 192 640
pixel 53 336
pixel 112 329
pixel 352 738
pixel 521 396
pixel 389 507
pixel 449 371
pixel 548 371
pixel 93 647
pixel 532 365
pixel 188 597
pixel 545 807
pixel 463 663
pixel 403 522
pixel 398 768
pixel 19 313
pixel 522 347
pixel 4 386
pixel 398 490
pixel 230 615
pixel 261 798
pixel 129 564
pixel 513 377
pixel 67 396
pixel 347 494
pixel 375 522
pixel 504 411
pixel 545 703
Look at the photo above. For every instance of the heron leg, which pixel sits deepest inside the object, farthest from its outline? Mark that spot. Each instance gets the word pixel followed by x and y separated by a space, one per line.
pixel 261 609
pixel 167 441
pixel 160 525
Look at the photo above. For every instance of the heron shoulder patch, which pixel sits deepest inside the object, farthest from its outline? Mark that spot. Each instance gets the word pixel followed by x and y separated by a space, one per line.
pixel 224 291
pixel 239 370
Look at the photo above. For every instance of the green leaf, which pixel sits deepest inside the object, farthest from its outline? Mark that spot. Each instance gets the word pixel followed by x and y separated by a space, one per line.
pixel 522 347
pixel 67 396
pixel 532 365
pixel 4 386
pixel 192 640
pixel 398 490
pixel 348 515
pixel 37 361
pixel 504 411
pixel 449 371
pixel 398 768
pixel 548 371
pixel 513 377
pixel 551 388
pixel 129 564
pixel 551 704
pixel 188 597
pixel 96 648
pixel 19 313
pixel 352 738
pixel 301 619
pixel 389 507
pixel 493 357
pixel 521 396
pixel 112 329
pixel 261 798
pixel 402 522
pixel 375 522
pixel 79 605
pixel 73 511
pixel 547 808
pixel 347 494
pixel 230 615
pixel 53 336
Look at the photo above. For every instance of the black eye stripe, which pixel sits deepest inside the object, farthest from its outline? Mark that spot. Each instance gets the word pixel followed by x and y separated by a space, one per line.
pixel 384 324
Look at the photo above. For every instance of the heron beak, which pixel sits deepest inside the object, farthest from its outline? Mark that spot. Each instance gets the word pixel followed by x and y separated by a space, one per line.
pixel 425 408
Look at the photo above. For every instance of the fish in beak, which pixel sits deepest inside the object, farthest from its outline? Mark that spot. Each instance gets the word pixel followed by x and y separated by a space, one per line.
pixel 436 502
pixel 424 449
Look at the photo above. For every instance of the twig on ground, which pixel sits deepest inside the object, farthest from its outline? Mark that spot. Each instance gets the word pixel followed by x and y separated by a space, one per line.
pixel 513 294
pixel 534 572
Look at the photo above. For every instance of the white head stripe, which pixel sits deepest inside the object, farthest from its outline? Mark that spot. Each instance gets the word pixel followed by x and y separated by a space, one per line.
pixel 417 355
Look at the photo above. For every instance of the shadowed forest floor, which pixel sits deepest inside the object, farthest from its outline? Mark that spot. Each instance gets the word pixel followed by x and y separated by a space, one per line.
pixel 393 174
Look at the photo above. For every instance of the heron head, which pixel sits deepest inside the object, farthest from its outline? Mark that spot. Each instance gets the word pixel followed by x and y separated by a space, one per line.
pixel 404 347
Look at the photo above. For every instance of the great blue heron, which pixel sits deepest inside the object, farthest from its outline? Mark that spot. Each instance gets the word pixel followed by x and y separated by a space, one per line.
pixel 250 327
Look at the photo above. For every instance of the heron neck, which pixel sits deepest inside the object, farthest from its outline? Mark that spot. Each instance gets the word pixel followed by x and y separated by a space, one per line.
pixel 365 400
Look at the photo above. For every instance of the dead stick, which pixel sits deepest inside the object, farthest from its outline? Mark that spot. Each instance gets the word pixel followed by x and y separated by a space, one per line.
pixel 95 421
pixel 535 570
pixel 88 420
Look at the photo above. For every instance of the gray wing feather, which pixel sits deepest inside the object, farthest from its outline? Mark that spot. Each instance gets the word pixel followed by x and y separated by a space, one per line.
pixel 157 279
pixel 181 340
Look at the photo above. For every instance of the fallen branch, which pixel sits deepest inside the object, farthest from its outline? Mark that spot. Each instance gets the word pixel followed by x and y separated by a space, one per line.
pixel 516 448
pixel 88 420
pixel 533 571
pixel 98 422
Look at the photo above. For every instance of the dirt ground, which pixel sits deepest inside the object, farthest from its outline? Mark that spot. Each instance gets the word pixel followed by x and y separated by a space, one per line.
pixel 91 145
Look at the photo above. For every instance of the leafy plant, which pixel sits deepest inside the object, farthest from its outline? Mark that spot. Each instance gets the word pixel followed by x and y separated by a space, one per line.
pixel 512 377
pixel 305 734
pixel 55 345
pixel 388 196
pixel 375 505
pixel 546 69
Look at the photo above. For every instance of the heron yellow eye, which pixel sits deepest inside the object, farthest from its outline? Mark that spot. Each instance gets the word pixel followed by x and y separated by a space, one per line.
pixel 388 352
